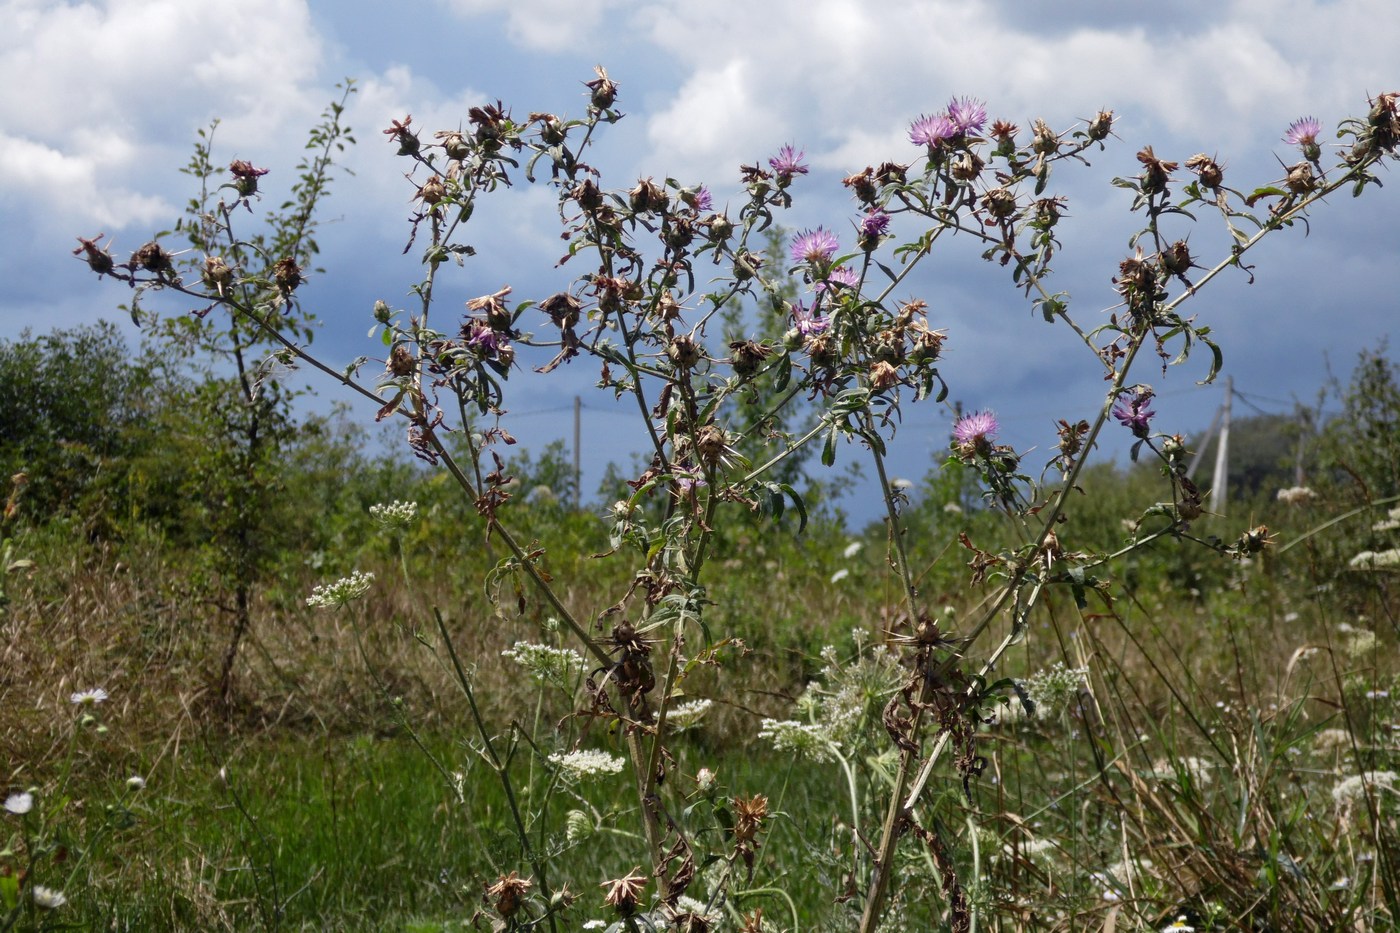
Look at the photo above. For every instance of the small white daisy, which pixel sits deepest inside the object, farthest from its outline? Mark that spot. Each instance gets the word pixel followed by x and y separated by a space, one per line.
pixel 19 804
pixel 47 898
pixel 88 697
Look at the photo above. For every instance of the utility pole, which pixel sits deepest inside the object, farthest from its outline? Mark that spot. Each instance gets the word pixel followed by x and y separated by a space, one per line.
pixel 578 470
pixel 1222 452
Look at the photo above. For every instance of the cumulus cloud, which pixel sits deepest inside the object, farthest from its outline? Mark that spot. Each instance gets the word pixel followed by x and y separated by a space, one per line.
pixel 551 25
pixel 99 92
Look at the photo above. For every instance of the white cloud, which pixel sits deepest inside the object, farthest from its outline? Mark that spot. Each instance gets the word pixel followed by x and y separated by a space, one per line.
pixel 552 25
pixel 100 92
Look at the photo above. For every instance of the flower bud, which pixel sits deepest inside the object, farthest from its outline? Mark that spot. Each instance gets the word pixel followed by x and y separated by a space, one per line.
pixel 720 227
pixel 603 88
pixel 433 191
pixel 1101 125
pixel 382 312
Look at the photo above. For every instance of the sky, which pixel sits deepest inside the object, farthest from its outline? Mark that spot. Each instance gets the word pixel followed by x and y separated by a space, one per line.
pixel 102 100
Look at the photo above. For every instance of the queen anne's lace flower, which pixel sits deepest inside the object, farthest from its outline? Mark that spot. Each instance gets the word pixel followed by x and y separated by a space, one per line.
pixel 341 592
pixel 585 764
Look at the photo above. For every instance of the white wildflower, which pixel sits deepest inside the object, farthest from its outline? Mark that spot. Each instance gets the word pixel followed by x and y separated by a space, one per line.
pixel 136 782
pixel 396 516
pixel 852 549
pixel 558 666
pixel 704 779
pixel 1050 691
pixel 19 804
pixel 1179 925
pixel 1375 560
pixel 1348 792
pixel 1296 495
pixel 585 764
pixel 88 697
pixel 840 575
pixel 47 898
pixel 1332 739
pixel 1362 642
pixel 1390 524
pixel 341 592
pixel 684 716
pixel 805 741
pixel 952 508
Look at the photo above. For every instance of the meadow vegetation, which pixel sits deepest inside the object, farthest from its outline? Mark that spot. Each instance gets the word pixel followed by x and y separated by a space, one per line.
pixel 257 676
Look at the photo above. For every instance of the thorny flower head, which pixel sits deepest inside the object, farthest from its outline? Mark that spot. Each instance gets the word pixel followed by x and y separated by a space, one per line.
pixel 1303 134
pixel 841 275
pixel 401 134
pixel 976 431
pixel 967 114
pixel 624 892
pixel 1136 413
pixel 341 592
pixel 786 164
pixel 807 322
pixel 508 893
pixel 245 178
pixel 97 257
pixel 872 227
pixel 931 130
pixel 815 246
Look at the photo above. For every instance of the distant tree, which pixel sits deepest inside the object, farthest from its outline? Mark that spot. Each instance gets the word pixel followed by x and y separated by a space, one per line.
pixel 1360 448
pixel 1262 456
pixel 69 401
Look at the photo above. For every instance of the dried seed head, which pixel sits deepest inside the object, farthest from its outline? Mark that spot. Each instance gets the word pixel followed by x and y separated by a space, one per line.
pixel 287 274
pixel 1043 138
pixel 749 814
pixel 623 893
pixel 508 893
pixel 400 360
pixel 454 143
pixel 862 184
pixel 1209 171
pixel 747 356
pixel 433 190
pixel 97 257
pixel 684 351
pixel 1301 179
pixel 1000 203
pixel 883 375
pixel 562 308
pixel 647 197
pixel 216 273
pixel 153 259
pixel 711 443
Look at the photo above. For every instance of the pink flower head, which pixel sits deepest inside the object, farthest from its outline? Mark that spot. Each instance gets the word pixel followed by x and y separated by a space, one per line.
pixel 932 130
pixel 968 114
pixel 1136 413
pixel 815 246
pixel 874 224
pixel 787 163
pixel 975 429
pixel 1303 132
pixel 484 338
pixel 807 322
pixel 699 200
pixel 841 275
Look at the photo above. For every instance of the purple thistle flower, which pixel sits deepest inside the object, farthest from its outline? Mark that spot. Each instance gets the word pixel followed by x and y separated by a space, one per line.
pixel 874 224
pixel 484 338
pixel 841 275
pixel 787 163
pixel 815 246
pixel 968 114
pixel 700 201
pixel 807 322
pixel 932 130
pixel 1136 413
pixel 1303 132
pixel 975 429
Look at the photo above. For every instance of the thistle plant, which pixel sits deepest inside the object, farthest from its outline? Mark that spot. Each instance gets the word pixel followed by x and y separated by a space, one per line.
pixel 663 269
